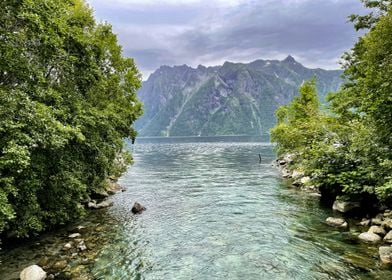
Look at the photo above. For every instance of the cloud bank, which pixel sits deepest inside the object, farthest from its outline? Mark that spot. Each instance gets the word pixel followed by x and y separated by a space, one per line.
pixel 209 32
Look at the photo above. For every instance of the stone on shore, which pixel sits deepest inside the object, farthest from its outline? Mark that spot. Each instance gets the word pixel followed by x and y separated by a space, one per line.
pixel 369 237
pixel 365 222
pixel 336 222
pixel 33 272
pixel 385 253
pixel 345 206
pixel 377 230
pixel 104 204
pixel 138 208
pixel 388 237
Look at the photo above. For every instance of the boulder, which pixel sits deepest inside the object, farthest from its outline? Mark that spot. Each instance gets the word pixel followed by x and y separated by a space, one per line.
pixel 336 222
pixel 377 221
pixel 365 222
pixel 387 224
pixel 104 204
pixel 388 237
pixel 345 206
pixel 114 188
pixel 138 208
pixel 385 253
pixel 33 272
pixel 369 237
pixel 377 230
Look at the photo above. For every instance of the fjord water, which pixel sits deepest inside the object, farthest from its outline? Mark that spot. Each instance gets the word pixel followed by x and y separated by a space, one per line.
pixel 215 212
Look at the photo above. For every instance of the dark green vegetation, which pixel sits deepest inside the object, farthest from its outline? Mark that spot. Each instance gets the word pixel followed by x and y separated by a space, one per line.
pixel 67 101
pixel 232 99
pixel 348 150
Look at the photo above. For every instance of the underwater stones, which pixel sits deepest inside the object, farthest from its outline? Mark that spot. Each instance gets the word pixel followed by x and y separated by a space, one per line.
pixel 59 265
pixel 336 222
pixel 79 229
pixel 137 208
pixel 385 253
pixel 345 206
pixel 75 235
pixel 369 237
pixel 67 246
pixel 33 272
pixel 81 246
pixel 377 230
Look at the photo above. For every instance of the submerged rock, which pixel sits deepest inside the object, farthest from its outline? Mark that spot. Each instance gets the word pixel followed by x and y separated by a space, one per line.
pixel 369 237
pixel 67 246
pixel 377 230
pixel 59 265
pixel 75 235
pixel 33 272
pixel 138 208
pixel 385 253
pixel 345 206
pixel 336 222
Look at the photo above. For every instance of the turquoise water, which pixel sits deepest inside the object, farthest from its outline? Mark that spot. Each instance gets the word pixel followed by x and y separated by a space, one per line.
pixel 213 212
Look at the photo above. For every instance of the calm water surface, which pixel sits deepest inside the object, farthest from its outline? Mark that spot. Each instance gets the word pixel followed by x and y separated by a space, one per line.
pixel 215 212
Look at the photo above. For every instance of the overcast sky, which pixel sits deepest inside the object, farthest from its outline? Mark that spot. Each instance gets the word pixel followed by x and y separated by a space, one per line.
pixel 209 32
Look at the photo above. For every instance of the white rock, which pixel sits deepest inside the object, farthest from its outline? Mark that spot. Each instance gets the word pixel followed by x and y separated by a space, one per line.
pixel 75 235
pixel 336 222
pixel 377 230
pixel 67 246
pixel 369 237
pixel 388 237
pixel 33 272
pixel 345 206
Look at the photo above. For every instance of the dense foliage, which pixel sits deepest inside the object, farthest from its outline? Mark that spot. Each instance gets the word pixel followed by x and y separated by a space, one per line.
pixel 348 150
pixel 67 101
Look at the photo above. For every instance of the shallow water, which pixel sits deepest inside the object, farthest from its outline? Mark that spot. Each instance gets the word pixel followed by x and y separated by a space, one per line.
pixel 213 212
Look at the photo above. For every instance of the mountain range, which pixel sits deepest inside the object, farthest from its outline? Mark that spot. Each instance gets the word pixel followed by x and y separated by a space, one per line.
pixel 232 99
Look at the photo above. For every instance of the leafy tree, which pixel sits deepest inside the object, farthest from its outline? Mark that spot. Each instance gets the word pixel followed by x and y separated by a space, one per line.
pixel 68 99
pixel 351 151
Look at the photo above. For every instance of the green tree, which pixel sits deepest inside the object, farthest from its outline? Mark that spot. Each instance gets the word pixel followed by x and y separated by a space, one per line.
pixel 68 99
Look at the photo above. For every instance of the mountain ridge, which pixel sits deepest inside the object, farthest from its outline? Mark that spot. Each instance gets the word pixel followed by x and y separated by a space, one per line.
pixel 231 99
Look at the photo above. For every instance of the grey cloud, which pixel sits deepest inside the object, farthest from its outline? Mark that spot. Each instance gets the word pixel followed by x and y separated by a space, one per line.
pixel 314 31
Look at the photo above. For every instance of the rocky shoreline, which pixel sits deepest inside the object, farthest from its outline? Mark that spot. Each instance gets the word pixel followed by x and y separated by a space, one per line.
pixel 377 229
pixel 80 244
